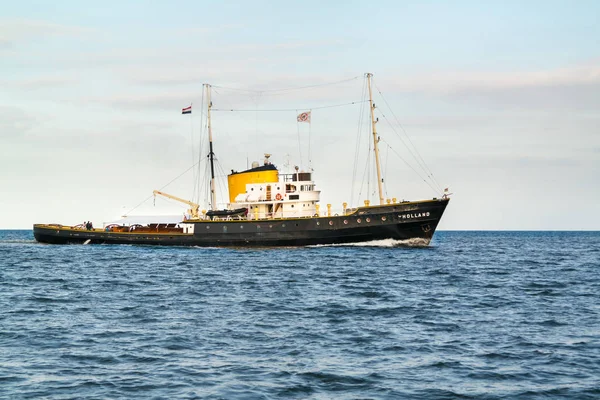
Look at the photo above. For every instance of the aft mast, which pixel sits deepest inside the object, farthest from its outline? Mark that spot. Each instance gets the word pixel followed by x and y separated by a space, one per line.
pixel 375 141
pixel 211 154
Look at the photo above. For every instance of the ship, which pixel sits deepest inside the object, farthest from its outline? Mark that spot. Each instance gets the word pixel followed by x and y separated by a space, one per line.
pixel 269 208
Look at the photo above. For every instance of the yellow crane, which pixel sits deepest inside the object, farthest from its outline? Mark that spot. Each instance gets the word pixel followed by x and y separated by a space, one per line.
pixel 193 211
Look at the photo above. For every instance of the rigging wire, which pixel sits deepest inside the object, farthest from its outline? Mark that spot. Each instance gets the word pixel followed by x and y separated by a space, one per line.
pixel 357 147
pixel 206 182
pixel 256 136
pixel 387 158
pixel 222 185
pixel 309 132
pixel 418 157
pixel 299 142
pixel 192 149
pixel 411 167
pixel 164 186
pixel 214 91
pixel 288 89
pixel 425 170
pixel 365 177
pixel 171 202
pixel 201 140
pixel 367 172
pixel 291 109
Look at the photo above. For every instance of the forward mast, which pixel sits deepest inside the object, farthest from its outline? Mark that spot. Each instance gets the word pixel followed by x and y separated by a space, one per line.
pixel 375 140
pixel 211 154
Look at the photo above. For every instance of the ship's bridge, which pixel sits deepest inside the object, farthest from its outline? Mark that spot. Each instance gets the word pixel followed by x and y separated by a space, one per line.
pixel 268 194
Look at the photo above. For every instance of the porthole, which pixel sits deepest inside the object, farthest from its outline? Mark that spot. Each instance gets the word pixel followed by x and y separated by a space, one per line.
pixel 207 227
pixel 345 222
pixel 318 223
pixel 241 226
pixel 330 222
pixel 283 225
pixel 358 220
pixel 368 219
pixel 224 228
pixel 270 226
pixel 383 218
pixel 257 226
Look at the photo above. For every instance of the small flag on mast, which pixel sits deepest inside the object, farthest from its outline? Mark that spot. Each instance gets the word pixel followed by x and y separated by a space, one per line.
pixel 304 117
pixel 186 110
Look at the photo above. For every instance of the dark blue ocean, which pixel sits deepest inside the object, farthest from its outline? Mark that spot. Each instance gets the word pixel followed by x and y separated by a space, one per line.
pixel 482 315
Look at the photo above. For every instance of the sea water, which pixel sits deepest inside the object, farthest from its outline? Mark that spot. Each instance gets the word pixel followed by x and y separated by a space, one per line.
pixel 473 315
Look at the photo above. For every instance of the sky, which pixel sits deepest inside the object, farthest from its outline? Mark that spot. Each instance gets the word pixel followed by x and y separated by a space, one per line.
pixel 500 99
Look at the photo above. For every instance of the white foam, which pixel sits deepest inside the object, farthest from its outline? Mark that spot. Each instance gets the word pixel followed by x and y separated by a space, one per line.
pixel 413 242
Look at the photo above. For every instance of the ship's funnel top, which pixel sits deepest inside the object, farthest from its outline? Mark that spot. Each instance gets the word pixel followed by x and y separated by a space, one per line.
pixel 237 181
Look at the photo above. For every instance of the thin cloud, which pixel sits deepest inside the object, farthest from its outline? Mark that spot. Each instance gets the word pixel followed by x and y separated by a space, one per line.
pixel 206 30
pixel 15 122
pixel 452 82
pixel 493 163
pixel 571 89
pixel 563 98
pixel 157 101
pixel 292 45
pixel 18 30
pixel 40 82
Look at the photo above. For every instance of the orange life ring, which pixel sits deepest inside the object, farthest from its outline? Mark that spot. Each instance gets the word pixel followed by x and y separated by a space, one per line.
pixel 278 196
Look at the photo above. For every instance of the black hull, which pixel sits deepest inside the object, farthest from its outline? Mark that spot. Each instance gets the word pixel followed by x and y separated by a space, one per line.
pixel 414 220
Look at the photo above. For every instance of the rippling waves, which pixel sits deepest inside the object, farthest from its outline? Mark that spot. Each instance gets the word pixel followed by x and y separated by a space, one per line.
pixel 474 315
